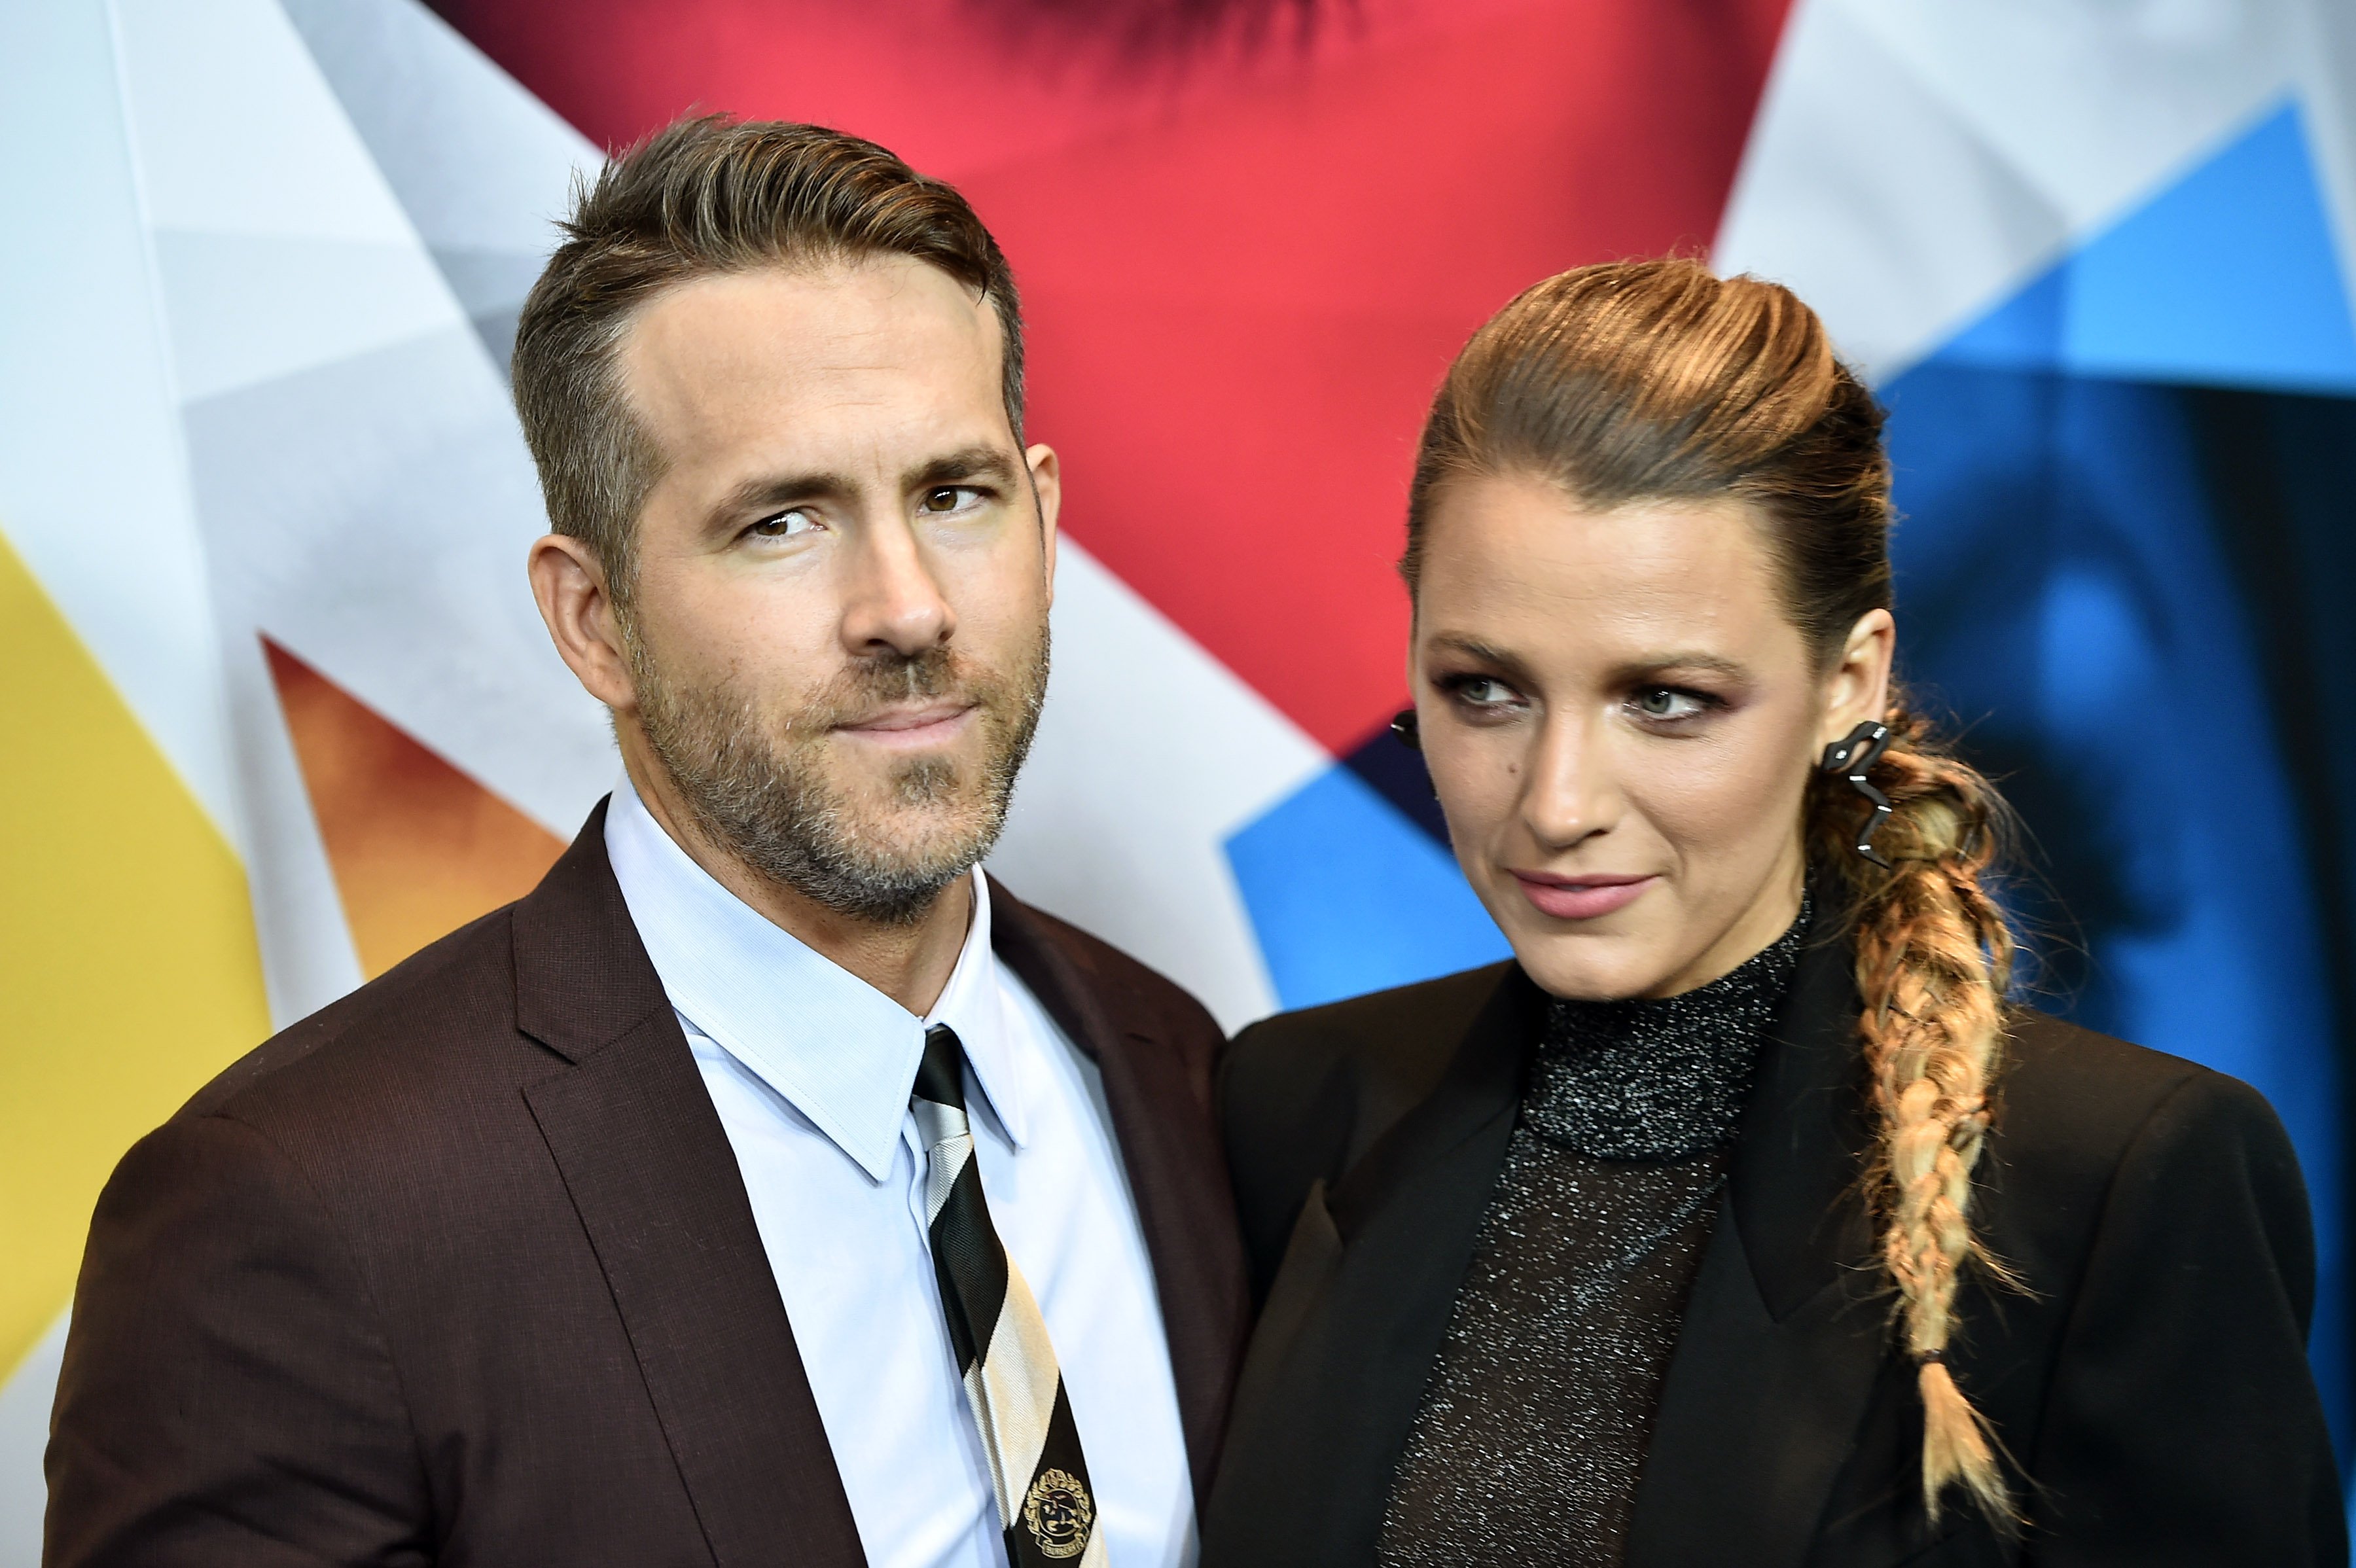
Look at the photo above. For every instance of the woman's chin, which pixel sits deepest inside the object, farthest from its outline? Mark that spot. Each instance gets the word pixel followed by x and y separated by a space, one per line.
pixel 1597 966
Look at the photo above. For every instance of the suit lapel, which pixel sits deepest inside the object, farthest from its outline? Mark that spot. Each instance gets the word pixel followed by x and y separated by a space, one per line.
pixel 651 1174
pixel 1351 1329
pixel 1170 1149
pixel 1785 1333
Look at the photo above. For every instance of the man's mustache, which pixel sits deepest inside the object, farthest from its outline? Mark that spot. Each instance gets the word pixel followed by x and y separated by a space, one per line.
pixel 864 690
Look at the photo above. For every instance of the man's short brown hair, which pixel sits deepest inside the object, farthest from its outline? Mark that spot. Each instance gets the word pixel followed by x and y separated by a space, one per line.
pixel 703 197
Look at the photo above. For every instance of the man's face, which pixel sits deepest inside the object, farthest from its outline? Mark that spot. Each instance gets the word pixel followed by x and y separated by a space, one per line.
pixel 837 631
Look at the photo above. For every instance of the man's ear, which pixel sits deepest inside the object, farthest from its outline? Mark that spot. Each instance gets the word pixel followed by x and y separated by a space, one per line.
pixel 1047 488
pixel 568 582
pixel 1859 687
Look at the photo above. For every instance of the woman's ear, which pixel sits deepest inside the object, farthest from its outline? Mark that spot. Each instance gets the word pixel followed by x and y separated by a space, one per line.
pixel 1858 686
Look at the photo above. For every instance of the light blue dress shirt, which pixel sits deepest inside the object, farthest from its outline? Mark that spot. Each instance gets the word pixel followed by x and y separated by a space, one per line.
pixel 810 1069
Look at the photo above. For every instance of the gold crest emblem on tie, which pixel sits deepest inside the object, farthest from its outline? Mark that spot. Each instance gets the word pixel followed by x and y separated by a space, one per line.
pixel 1059 1513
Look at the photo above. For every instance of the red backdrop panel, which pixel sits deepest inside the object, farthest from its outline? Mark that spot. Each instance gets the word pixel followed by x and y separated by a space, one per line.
pixel 1244 268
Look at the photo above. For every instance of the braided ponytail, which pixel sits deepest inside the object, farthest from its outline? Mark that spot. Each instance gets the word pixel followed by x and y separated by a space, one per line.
pixel 1934 960
pixel 1654 380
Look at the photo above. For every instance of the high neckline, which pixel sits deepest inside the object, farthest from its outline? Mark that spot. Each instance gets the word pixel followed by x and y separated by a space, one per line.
pixel 1659 1078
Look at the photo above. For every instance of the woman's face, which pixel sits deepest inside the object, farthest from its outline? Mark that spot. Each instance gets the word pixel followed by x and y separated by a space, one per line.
pixel 1620 720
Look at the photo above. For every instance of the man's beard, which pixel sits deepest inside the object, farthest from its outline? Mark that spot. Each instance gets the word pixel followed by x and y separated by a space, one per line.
pixel 757 784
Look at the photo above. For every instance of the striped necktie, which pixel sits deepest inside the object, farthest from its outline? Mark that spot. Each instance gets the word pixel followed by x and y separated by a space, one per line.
pixel 1011 1381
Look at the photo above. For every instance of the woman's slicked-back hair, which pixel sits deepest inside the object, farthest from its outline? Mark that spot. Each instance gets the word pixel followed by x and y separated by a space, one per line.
pixel 708 195
pixel 1654 380
pixel 1646 382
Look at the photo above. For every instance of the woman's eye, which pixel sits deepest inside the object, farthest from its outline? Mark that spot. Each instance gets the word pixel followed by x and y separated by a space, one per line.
pixel 1669 702
pixel 1483 692
pixel 785 524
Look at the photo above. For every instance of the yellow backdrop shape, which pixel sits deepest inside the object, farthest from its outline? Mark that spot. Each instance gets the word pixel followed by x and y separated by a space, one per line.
pixel 128 968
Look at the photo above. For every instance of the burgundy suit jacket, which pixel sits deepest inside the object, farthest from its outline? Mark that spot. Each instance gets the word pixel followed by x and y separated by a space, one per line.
pixel 460 1270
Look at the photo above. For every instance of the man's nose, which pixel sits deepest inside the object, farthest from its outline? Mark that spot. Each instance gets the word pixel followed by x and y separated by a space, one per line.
pixel 892 601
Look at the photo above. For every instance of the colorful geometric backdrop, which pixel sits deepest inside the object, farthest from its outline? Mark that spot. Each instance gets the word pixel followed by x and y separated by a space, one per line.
pixel 278 709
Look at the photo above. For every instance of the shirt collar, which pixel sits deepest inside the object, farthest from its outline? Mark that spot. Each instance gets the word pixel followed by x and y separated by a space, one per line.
pixel 841 1052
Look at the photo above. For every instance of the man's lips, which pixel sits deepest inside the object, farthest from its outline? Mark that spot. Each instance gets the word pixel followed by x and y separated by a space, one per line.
pixel 1582 897
pixel 926 726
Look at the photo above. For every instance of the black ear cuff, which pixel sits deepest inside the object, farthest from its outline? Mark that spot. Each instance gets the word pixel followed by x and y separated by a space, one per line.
pixel 1403 725
pixel 1850 758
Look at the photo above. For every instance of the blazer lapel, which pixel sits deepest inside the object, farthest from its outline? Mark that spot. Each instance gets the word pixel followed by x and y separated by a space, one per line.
pixel 1351 1329
pixel 651 1174
pixel 1177 1169
pixel 1786 1330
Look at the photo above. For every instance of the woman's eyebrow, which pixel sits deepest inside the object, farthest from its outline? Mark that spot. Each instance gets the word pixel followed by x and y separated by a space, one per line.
pixel 1472 648
pixel 1710 663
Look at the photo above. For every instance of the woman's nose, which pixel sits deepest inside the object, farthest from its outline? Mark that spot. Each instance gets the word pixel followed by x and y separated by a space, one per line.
pixel 1570 794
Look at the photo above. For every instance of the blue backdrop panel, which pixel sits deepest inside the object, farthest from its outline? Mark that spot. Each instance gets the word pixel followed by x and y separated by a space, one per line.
pixel 1348 894
pixel 2228 278
pixel 2108 575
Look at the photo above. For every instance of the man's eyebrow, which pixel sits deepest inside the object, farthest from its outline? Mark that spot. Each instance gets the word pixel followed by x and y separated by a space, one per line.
pixel 989 463
pixel 770 491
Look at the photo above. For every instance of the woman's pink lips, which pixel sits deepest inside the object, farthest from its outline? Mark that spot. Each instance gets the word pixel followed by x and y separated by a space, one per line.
pixel 1581 898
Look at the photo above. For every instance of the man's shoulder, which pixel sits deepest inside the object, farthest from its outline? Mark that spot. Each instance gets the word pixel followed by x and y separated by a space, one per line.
pixel 1134 997
pixel 435 1020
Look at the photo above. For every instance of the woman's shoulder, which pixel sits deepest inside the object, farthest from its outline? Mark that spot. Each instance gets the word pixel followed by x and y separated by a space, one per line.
pixel 1365 1056
pixel 2092 1133
pixel 2065 1090
pixel 1378 1025
pixel 1303 1094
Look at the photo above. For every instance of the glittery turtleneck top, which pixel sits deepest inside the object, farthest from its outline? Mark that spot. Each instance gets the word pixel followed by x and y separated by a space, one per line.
pixel 1528 1443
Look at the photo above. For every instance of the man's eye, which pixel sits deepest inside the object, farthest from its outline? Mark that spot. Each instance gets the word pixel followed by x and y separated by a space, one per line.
pixel 1669 702
pixel 948 498
pixel 785 524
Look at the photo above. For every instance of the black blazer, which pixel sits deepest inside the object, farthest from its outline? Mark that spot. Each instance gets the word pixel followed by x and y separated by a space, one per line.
pixel 461 1270
pixel 2151 1381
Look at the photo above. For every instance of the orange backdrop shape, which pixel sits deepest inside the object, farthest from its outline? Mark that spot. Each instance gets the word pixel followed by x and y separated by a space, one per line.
pixel 418 848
